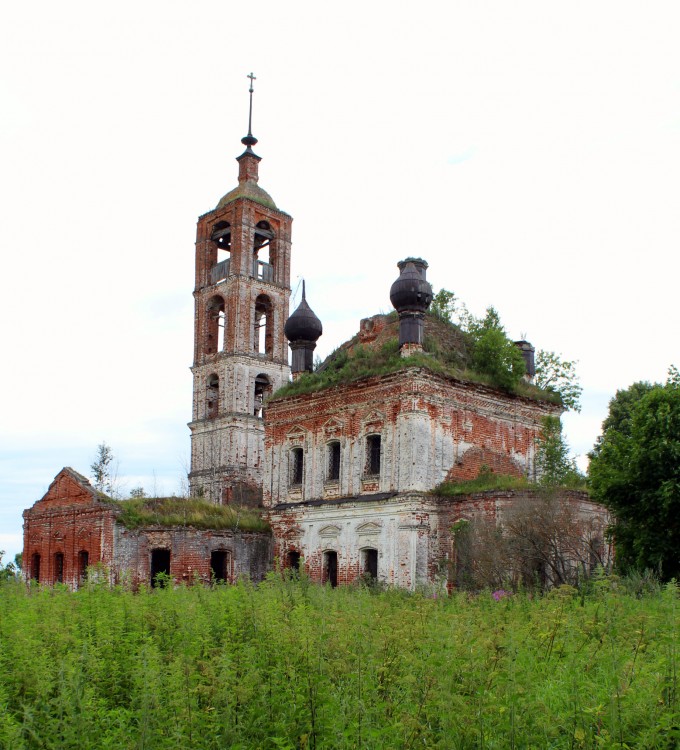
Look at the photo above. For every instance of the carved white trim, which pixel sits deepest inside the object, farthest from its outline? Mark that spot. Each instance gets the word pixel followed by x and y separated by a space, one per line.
pixel 293 532
pixel 373 422
pixel 333 427
pixel 296 436
pixel 370 527
pixel 330 531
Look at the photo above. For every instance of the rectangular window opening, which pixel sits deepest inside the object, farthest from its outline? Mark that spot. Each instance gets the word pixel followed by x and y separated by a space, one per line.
pixel 297 458
pixel 333 473
pixel 373 455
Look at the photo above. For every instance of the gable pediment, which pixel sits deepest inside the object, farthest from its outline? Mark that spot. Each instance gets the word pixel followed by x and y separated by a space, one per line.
pixel 369 528
pixel 333 427
pixel 374 421
pixel 293 533
pixel 297 435
pixel 70 488
pixel 330 531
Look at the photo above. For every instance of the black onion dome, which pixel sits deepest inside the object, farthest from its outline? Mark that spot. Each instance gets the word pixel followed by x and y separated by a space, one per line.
pixel 303 325
pixel 411 291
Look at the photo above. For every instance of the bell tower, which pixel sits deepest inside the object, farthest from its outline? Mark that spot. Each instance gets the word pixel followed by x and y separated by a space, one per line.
pixel 240 355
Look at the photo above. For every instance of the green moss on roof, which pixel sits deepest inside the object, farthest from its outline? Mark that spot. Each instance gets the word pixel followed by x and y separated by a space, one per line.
pixel 446 353
pixel 251 190
pixel 488 481
pixel 192 512
pixel 483 483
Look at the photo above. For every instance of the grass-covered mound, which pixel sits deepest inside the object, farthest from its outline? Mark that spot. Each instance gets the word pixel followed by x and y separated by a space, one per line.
pixel 485 482
pixel 446 351
pixel 489 481
pixel 290 665
pixel 195 512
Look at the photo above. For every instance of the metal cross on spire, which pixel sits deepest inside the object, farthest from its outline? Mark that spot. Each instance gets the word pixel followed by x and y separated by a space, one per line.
pixel 250 112
pixel 250 140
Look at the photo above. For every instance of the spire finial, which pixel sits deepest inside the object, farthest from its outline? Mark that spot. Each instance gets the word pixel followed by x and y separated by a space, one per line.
pixel 250 140
pixel 303 289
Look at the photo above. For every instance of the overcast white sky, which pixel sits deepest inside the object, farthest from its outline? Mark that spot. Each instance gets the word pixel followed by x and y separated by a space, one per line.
pixel 530 151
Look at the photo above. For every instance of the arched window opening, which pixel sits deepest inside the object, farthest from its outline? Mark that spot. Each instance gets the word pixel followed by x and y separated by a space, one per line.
pixel 372 455
pixel 217 321
pixel 59 567
pixel 160 567
pixel 212 396
pixel 369 563
pixel 263 267
pixel 297 467
pixel 263 388
pixel 221 236
pixel 220 565
pixel 35 567
pixel 330 568
pixel 83 562
pixel 263 336
pixel 333 461
pixel 293 560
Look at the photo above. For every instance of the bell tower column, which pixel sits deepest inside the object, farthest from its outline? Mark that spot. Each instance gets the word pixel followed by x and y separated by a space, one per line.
pixel 241 298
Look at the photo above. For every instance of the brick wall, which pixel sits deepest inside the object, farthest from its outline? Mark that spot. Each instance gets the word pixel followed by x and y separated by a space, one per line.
pixel 248 553
pixel 432 428
pixel 67 521
pixel 72 519
pixel 412 533
pixel 227 436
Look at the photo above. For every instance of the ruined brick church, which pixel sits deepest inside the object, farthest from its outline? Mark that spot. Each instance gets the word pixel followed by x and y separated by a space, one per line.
pixel 343 470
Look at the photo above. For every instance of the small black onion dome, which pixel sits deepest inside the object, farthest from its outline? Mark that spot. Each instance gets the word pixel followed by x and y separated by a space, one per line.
pixel 303 325
pixel 410 291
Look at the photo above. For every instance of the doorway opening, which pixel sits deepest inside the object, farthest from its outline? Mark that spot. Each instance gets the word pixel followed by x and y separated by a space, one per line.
pixel 294 560
pixel 83 561
pixel 59 567
pixel 35 567
pixel 369 563
pixel 160 566
pixel 330 568
pixel 219 567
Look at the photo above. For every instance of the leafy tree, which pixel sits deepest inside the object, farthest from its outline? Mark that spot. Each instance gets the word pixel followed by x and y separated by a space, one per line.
pixel 555 466
pixel 101 469
pixel 7 571
pixel 559 376
pixel 635 472
pixel 138 492
pixel 443 305
pixel 492 351
pixel 620 414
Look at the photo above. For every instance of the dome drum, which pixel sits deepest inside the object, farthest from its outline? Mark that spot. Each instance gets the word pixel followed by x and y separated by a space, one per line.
pixel 411 295
pixel 411 291
pixel 302 330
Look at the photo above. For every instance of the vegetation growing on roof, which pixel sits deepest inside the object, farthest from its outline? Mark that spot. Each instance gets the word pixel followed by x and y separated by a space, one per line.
pixel 447 351
pixel 488 481
pixel 485 482
pixel 194 512
pixel 555 467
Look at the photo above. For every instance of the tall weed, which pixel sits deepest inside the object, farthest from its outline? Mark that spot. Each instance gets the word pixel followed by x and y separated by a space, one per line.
pixel 289 665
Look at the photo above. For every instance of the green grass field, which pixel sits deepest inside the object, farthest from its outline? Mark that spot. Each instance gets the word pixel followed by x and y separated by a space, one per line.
pixel 291 665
